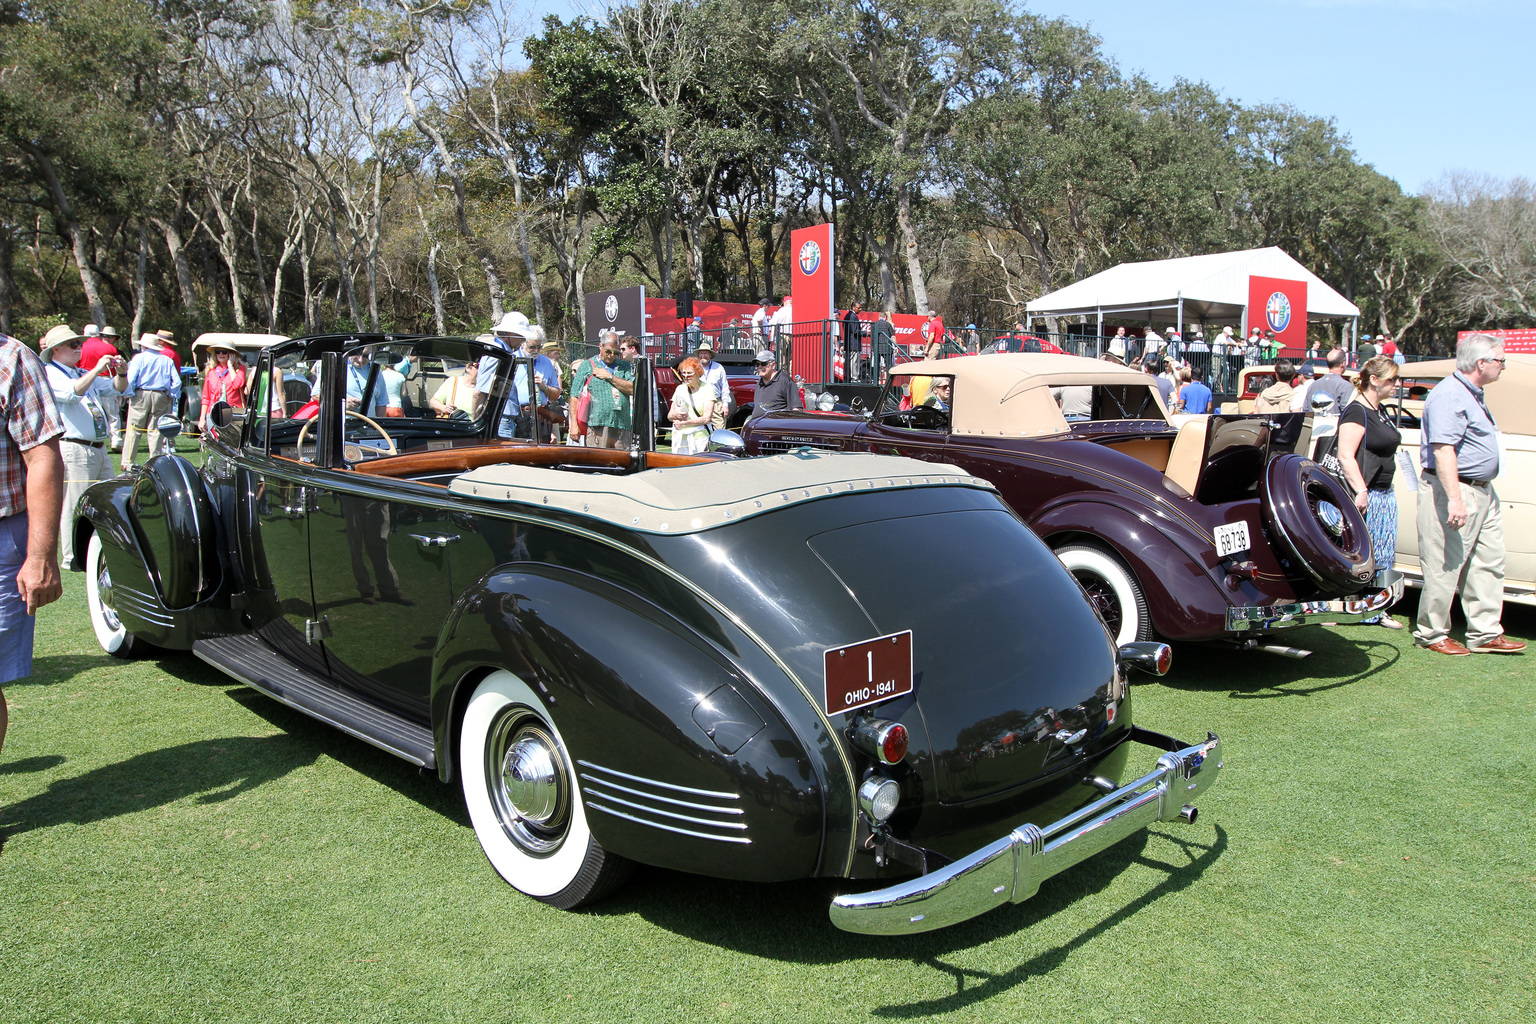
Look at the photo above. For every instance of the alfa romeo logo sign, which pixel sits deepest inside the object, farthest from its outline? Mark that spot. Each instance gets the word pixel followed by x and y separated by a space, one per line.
pixel 1277 311
pixel 611 308
pixel 810 258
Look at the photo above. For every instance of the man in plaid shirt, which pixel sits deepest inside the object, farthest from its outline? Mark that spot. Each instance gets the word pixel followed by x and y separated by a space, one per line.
pixel 31 493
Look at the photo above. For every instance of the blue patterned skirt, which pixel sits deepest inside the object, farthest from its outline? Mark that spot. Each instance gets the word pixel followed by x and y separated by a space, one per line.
pixel 1381 523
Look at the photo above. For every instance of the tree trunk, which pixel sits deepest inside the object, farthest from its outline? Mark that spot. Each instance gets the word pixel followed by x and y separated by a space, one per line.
pixel 8 289
pixel 139 277
pixel 66 214
pixel 909 239
pixel 178 254
pixel 451 167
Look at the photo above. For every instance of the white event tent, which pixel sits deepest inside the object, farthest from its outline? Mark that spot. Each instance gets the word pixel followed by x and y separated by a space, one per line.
pixel 1208 289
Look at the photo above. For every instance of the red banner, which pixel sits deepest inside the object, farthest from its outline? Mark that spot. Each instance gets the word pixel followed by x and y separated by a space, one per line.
pixel 1522 339
pixel 811 284
pixel 1275 304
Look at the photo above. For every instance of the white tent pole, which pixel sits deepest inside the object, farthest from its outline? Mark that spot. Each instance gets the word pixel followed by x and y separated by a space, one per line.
pixel 1099 344
pixel 1181 318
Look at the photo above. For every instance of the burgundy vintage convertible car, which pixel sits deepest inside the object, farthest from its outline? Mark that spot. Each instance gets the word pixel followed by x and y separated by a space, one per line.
pixel 1210 529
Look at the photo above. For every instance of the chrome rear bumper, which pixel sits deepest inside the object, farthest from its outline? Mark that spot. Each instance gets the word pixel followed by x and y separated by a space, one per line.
pixel 1011 869
pixel 1385 590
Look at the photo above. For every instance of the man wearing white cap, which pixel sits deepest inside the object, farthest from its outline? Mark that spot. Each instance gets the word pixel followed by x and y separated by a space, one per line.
pixel 78 392
pixel 154 388
pixel 519 412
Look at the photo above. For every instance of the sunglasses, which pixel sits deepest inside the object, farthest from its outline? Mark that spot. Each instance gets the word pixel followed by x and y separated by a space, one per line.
pixel 1501 361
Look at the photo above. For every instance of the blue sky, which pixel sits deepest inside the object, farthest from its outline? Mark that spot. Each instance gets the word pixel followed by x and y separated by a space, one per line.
pixel 1420 87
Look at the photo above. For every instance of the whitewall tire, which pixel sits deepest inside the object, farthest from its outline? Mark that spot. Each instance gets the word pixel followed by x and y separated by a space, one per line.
pixel 110 632
pixel 1111 589
pixel 519 785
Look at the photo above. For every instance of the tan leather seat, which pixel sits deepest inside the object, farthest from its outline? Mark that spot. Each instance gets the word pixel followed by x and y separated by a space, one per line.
pixel 1188 454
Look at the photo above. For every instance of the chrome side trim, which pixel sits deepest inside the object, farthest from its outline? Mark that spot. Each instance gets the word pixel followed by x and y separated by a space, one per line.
pixel 669 828
pixel 720 822
pixel 1386 589
pixel 724 795
pixel 1011 869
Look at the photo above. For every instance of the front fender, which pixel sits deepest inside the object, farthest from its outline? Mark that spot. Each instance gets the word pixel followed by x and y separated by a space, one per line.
pixel 1184 601
pixel 681 761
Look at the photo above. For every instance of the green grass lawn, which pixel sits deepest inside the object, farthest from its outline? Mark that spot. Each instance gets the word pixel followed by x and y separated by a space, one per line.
pixel 180 848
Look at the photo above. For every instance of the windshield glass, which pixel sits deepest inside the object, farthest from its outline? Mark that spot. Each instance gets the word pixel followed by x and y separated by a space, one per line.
pixel 401 394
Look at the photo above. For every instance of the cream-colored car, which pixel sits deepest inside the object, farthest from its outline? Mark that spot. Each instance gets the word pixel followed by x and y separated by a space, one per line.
pixel 1512 400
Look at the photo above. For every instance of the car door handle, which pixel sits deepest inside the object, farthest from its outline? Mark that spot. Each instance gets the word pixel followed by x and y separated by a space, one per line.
pixel 434 540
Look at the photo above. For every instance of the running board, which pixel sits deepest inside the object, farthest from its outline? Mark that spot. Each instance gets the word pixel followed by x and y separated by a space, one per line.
pixel 252 661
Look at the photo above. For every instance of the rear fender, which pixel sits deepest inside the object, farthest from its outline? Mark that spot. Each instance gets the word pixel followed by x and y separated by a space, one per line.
pixel 650 710
pixel 1184 601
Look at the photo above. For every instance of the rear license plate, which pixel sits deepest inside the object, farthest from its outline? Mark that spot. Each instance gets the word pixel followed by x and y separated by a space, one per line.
pixel 1231 539
pixel 868 672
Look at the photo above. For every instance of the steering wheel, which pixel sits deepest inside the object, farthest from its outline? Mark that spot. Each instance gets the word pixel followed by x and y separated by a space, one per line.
pixel 922 417
pixel 299 444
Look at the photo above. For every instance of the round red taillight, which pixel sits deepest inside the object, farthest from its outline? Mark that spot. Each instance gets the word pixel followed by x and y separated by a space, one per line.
pixel 893 746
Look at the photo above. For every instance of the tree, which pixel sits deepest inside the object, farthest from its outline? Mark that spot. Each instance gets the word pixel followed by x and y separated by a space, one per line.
pixel 1485 229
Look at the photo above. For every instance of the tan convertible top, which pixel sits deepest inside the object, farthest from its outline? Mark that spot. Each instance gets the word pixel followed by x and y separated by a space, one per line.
pixel 691 498
pixel 1511 398
pixel 1010 394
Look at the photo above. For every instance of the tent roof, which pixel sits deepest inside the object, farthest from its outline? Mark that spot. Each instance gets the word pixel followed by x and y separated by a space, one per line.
pixel 1213 288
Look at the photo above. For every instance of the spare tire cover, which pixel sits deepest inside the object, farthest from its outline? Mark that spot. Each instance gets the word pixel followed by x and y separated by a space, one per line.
pixel 1319 528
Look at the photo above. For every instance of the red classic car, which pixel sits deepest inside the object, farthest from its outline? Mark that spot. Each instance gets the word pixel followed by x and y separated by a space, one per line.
pixel 1210 529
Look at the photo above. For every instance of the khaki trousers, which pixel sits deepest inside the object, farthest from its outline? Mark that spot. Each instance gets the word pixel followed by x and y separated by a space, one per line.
pixel 83 466
pixel 144 412
pixel 1468 561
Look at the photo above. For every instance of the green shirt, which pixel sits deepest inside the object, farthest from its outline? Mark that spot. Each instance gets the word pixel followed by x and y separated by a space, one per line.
pixel 610 407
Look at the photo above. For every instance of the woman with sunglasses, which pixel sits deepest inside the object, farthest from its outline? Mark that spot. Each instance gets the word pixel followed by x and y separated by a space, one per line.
pixel 693 406
pixel 1368 455
pixel 224 380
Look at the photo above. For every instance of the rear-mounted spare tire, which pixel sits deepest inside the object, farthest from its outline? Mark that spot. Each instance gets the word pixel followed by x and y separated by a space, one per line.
pixel 1318 526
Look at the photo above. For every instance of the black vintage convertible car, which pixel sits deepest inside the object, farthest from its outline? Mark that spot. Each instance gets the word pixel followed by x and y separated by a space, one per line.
pixel 623 656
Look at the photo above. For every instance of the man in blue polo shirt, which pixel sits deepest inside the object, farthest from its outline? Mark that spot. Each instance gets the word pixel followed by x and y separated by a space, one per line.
pixel 1196 396
pixel 1461 527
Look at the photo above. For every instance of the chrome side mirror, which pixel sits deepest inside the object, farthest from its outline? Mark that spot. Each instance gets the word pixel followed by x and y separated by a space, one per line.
pixel 221 415
pixel 727 442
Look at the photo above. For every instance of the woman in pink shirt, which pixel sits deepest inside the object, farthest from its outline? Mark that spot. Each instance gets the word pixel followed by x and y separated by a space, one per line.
pixel 224 380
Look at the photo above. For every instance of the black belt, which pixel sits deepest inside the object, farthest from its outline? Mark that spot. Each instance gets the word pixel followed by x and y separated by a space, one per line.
pixel 88 444
pixel 1474 483
pixel 158 391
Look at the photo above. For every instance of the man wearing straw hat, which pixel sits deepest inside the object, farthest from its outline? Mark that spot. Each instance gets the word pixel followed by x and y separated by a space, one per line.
pixel 78 391
pixel 154 386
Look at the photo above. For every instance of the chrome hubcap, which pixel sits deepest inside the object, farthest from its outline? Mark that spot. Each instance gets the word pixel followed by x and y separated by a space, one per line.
pixel 529 781
pixel 531 778
pixel 1332 519
pixel 104 599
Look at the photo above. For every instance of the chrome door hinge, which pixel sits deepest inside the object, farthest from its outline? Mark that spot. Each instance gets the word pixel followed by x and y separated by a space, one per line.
pixel 316 630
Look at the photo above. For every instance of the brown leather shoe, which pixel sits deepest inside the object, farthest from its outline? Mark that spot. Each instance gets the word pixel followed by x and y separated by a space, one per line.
pixel 1500 644
pixel 1448 646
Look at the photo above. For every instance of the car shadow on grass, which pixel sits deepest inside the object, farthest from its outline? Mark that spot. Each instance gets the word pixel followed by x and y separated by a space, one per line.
pixel 212 771
pixel 788 921
pixel 385 769
pixel 1340 657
